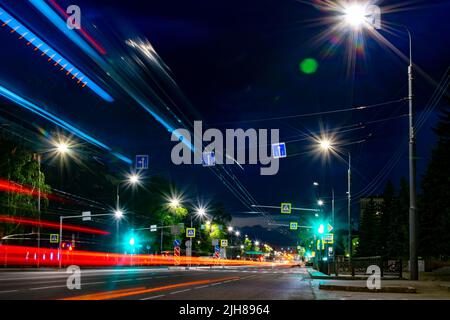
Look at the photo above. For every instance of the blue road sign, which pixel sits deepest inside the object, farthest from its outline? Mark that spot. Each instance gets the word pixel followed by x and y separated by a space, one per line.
pixel 279 150
pixel 209 159
pixel 142 162
pixel 217 248
pixel 176 243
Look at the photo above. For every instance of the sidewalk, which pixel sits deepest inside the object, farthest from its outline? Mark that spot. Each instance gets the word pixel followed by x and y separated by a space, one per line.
pixel 435 289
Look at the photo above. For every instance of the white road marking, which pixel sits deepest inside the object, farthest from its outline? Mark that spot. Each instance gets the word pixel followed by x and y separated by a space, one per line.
pixel 154 297
pixel 8 291
pixel 202 287
pixel 180 291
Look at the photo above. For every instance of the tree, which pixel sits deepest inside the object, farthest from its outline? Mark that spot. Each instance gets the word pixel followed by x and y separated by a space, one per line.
pixel 368 232
pixel 434 202
pixel 20 165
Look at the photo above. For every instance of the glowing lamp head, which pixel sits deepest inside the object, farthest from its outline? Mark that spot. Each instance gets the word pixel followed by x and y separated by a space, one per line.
pixel 230 229
pixel 355 15
pixel 132 241
pixel 201 212
pixel 118 214
pixel 325 144
pixel 134 179
pixel 174 203
pixel 237 233
pixel 320 202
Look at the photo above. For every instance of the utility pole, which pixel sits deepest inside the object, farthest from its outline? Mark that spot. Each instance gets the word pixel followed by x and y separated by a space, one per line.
pixel 414 267
pixel 349 206
pixel 39 210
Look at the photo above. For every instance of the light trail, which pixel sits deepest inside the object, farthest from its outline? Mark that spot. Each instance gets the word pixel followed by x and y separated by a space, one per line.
pixel 10 186
pixel 86 35
pixel 28 256
pixel 57 121
pixel 50 225
pixel 115 294
pixel 59 61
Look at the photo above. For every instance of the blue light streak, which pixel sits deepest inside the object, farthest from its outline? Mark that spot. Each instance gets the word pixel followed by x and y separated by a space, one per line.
pixel 57 121
pixel 60 61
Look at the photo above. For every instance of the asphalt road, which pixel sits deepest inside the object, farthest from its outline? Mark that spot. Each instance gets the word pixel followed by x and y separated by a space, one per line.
pixel 217 283
pixel 244 283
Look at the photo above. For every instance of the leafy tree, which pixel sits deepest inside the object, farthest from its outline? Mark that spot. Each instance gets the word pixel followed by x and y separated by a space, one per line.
pixel 20 165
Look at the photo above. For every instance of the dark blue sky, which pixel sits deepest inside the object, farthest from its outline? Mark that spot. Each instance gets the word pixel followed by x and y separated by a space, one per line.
pixel 237 61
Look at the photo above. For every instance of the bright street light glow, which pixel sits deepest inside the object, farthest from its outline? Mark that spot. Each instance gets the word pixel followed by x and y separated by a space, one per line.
pixel 201 212
pixel 230 229
pixel 134 178
pixel 321 229
pixel 320 202
pixel 132 241
pixel 256 243
pixel 325 144
pixel 315 183
pixel 118 214
pixel 355 15
pixel 62 147
pixel 174 202
pixel 237 233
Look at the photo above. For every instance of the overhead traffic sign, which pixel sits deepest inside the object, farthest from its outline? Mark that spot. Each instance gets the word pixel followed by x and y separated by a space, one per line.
pixel 286 207
pixel 209 159
pixel 293 225
pixel 86 216
pixel 142 162
pixel 190 232
pixel 279 150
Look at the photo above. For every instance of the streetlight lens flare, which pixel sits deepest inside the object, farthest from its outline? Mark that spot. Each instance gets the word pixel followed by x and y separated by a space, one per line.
pixel 325 144
pixel 355 15
pixel 134 179
pixel 118 214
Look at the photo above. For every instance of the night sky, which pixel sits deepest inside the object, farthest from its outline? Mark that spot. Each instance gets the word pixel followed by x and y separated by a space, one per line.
pixel 236 62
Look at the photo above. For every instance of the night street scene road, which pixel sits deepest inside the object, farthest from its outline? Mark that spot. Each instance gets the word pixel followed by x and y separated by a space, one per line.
pixel 220 157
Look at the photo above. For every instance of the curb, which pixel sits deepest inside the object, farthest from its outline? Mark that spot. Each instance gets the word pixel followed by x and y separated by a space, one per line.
pixel 334 287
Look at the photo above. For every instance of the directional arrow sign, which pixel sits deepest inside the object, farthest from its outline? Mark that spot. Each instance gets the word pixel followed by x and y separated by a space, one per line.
pixel 329 228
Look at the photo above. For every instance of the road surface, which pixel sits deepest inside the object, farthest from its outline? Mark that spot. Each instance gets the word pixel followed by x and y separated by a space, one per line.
pixel 228 283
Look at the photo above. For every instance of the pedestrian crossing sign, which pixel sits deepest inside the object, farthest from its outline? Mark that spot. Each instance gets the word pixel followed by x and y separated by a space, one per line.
pixel 190 232
pixel 286 207
pixel 293 225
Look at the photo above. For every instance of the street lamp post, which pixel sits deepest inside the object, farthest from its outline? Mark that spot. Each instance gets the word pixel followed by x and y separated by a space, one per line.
pixel 357 15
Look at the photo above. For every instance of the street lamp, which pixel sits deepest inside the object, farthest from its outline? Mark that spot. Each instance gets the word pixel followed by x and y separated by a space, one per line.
pixel 355 15
pixel 320 202
pixel 237 233
pixel 230 229
pixel 118 214
pixel 326 145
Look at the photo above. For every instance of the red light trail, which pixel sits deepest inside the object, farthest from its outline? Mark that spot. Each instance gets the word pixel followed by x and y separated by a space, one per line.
pixel 51 225
pixel 9 186
pixel 96 45
pixel 28 256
